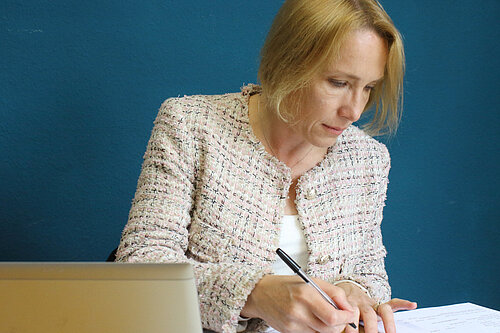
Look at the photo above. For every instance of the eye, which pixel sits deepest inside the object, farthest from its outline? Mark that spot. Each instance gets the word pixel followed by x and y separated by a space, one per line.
pixel 337 83
pixel 369 88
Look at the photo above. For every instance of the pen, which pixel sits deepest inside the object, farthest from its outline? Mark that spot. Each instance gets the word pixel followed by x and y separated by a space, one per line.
pixel 297 270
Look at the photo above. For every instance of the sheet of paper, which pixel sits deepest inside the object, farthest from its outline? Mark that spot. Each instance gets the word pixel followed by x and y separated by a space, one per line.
pixel 457 318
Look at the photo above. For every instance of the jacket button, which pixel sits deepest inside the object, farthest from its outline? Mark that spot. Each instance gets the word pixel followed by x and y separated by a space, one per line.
pixel 324 259
pixel 311 194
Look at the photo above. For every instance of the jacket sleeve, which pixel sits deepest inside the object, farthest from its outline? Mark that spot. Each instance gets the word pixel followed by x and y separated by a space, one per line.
pixel 368 268
pixel 159 219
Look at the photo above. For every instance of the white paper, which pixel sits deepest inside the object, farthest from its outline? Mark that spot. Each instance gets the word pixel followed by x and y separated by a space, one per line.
pixel 457 318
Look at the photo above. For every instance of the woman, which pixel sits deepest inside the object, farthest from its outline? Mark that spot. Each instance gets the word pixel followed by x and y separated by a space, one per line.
pixel 227 179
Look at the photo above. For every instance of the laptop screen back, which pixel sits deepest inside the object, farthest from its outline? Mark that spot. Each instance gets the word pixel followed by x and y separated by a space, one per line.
pixel 98 297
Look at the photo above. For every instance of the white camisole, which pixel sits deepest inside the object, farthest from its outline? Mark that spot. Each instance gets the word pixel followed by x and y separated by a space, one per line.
pixel 293 242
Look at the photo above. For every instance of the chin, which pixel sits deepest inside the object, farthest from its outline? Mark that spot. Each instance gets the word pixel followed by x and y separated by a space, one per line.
pixel 326 142
pixel 332 142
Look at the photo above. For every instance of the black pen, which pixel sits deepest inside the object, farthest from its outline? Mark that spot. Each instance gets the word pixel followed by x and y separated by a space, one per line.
pixel 297 270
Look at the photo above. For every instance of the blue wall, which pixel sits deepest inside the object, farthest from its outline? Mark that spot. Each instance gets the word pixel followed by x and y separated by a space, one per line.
pixel 81 82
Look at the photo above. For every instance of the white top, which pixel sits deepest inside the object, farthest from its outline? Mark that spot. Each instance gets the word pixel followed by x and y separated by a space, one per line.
pixel 293 242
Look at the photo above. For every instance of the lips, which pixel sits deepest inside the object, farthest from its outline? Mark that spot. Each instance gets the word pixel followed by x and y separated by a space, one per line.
pixel 334 130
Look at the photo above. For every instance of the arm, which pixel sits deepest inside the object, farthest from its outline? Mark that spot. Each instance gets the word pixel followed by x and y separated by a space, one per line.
pixel 160 216
pixel 371 293
pixel 367 267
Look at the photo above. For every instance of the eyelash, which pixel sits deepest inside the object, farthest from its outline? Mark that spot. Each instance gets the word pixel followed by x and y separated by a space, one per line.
pixel 337 83
pixel 342 84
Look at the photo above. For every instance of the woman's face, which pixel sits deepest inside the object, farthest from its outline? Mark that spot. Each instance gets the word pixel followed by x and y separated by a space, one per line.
pixel 338 95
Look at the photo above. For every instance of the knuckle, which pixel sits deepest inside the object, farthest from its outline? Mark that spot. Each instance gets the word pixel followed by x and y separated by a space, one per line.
pixel 365 308
pixel 302 293
pixel 292 312
pixel 332 329
pixel 290 327
pixel 339 292
pixel 384 308
pixel 331 319
pixel 369 313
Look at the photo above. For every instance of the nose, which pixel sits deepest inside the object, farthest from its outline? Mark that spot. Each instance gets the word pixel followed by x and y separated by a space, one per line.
pixel 353 105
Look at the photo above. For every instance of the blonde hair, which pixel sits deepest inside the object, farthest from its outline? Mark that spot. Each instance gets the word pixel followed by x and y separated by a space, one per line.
pixel 306 34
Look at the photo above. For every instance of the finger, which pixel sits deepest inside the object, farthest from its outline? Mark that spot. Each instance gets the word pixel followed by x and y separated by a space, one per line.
pixel 369 317
pixel 299 319
pixel 337 294
pixel 316 324
pixel 331 317
pixel 349 329
pixel 400 304
pixel 385 312
pixel 288 327
pixel 327 313
pixel 313 311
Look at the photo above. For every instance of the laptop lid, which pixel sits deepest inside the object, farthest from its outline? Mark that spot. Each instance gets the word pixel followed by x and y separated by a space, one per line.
pixel 98 297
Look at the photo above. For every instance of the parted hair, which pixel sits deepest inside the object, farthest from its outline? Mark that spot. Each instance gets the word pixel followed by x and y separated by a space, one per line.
pixel 308 34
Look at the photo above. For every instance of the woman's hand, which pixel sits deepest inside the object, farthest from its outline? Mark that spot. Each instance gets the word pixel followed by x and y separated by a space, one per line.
pixel 289 305
pixel 369 311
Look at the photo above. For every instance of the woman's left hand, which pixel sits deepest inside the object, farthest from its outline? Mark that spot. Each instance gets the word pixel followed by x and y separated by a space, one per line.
pixel 370 312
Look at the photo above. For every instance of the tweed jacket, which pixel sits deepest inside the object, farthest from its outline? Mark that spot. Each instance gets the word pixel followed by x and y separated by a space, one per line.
pixel 211 195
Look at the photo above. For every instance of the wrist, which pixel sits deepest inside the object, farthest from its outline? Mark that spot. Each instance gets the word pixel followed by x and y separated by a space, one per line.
pixel 352 284
pixel 251 308
pixel 245 313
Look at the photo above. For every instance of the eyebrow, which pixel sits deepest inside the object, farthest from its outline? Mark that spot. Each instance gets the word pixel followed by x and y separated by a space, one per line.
pixel 354 77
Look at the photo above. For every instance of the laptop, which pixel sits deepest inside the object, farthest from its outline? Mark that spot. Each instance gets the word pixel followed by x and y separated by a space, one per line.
pixel 98 297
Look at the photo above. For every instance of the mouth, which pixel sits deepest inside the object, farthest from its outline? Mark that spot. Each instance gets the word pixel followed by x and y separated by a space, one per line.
pixel 334 130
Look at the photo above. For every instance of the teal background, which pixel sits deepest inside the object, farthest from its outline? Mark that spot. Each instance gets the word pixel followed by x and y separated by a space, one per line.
pixel 81 82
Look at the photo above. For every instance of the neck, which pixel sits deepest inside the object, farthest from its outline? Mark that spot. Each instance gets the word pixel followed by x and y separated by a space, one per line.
pixel 279 138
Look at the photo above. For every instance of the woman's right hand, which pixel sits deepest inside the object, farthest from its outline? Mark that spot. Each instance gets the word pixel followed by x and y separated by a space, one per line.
pixel 289 305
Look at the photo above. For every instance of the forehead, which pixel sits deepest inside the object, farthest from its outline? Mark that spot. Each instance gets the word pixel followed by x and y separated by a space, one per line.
pixel 363 54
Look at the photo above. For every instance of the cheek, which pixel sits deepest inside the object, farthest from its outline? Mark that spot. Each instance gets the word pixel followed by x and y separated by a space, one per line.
pixel 316 110
pixel 328 106
pixel 321 103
